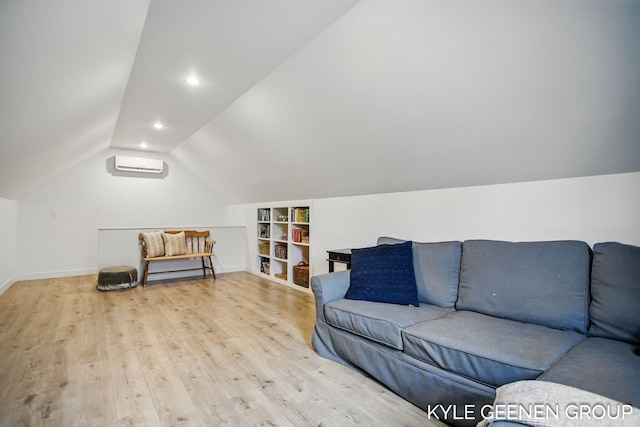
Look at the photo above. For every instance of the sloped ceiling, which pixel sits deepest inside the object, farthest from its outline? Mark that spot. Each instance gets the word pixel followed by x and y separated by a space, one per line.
pixel 63 71
pixel 80 76
pixel 309 99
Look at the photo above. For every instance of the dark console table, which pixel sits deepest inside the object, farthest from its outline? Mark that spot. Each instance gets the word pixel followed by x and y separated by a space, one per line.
pixel 339 255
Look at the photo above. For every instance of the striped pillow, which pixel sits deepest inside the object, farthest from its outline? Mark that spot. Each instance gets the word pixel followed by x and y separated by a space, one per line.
pixel 174 244
pixel 154 244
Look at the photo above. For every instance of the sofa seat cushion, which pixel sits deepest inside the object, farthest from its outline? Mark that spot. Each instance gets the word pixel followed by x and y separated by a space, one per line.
pixel 488 349
pixel 603 366
pixel 378 321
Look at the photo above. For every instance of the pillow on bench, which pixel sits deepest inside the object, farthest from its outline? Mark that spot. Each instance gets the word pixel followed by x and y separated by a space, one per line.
pixel 174 244
pixel 154 244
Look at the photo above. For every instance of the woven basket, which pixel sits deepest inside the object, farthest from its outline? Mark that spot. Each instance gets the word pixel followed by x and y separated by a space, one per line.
pixel 264 249
pixel 301 275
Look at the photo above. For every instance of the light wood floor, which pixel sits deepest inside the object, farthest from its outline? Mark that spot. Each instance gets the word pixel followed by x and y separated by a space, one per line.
pixel 195 352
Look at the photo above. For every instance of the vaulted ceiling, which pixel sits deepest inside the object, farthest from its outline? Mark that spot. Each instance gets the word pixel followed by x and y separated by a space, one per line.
pixel 308 99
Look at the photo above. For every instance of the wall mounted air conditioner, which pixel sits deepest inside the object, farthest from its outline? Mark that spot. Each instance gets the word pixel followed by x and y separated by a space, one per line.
pixel 138 164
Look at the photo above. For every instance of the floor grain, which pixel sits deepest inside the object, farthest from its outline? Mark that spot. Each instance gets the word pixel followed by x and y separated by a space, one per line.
pixel 193 352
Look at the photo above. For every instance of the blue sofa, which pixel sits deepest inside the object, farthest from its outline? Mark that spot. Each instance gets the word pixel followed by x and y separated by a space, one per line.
pixel 491 313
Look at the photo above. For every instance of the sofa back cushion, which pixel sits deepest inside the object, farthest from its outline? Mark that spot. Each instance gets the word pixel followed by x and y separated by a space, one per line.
pixel 545 283
pixel 615 292
pixel 437 270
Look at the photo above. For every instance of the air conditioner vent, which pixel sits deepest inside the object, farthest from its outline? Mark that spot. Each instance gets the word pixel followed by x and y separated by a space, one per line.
pixel 138 164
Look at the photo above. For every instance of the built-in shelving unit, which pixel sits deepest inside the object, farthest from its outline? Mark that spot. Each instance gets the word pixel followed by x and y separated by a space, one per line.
pixel 283 240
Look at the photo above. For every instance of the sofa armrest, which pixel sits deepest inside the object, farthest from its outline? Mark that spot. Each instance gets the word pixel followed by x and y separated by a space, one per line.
pixel 329 287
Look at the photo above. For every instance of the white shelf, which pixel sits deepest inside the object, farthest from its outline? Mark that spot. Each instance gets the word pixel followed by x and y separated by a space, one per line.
pixel 284 222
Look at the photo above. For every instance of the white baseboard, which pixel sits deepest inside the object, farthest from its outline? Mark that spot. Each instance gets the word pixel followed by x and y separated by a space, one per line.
pixel 56 274
pixel 230 268
pixel 7 284
pixel 89 271
pixel 281 282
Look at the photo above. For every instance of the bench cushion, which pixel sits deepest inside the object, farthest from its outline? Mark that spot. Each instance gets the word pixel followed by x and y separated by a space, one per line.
pixel 615 292
pixel 546 283
pixel 488 349
pixel 377 321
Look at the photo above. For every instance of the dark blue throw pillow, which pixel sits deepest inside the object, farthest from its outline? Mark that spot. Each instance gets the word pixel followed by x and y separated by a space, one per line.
pixel 383 273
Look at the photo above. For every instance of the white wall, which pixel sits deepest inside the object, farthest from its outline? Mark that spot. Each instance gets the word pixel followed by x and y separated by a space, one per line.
pixel 8 242
pixel 592 209
pixel 88 197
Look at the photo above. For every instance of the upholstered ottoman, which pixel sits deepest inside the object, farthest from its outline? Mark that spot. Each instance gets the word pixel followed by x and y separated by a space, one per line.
pixel 117 278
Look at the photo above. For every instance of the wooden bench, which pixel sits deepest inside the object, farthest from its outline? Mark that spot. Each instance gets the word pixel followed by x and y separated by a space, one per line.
pixel 198 245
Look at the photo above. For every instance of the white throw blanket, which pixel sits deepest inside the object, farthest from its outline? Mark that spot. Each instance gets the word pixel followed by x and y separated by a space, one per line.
pixel 542 404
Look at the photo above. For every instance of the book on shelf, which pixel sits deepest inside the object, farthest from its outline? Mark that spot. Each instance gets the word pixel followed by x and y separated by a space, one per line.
pixel 280 251
pixel 264 265
pixel 264 215
pixel 301 214
pixel 264 231
pixel 300 235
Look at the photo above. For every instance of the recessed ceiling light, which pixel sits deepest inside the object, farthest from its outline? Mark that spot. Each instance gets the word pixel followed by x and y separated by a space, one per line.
pixel 158 125
pixel 143 145
pixel 193 80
